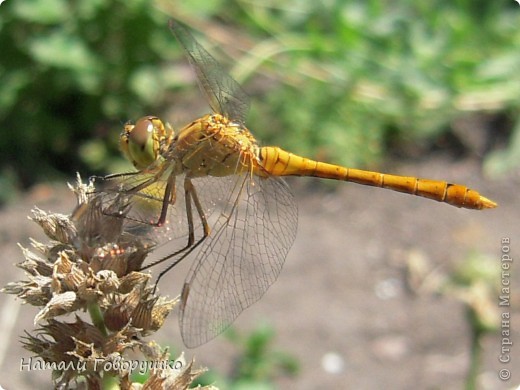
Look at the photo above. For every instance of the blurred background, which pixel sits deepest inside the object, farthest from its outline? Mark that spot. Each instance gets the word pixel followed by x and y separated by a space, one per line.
pixel 427 89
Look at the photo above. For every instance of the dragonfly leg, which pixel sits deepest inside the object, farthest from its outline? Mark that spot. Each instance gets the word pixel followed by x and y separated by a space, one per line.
pixel 132 190
pixel 169 198
pixel 112 177
pixel 190 196
pixel 188 184
pixel 115 176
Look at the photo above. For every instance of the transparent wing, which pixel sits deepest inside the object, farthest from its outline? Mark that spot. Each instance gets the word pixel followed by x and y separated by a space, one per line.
pixel 224 94
pixel 241 259
pixel 138 198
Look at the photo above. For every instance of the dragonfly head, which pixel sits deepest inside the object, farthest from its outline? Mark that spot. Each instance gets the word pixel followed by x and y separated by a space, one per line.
pixel 145 142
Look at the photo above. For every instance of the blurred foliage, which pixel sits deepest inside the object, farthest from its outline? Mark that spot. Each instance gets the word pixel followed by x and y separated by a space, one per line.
pixel 71 74
pixel 257 365
pixel 338 80
pixel 475 284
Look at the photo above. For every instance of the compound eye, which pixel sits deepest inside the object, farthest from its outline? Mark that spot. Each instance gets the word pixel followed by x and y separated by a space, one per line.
pixel 138 143
pixel 141 133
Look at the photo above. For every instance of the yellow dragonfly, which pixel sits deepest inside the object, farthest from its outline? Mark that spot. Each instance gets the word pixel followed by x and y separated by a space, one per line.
pixel 211 187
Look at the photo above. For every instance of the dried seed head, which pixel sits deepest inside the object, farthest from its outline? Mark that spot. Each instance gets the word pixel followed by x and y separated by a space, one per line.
pixel 91 257
pixel 91 265
pixel 57 227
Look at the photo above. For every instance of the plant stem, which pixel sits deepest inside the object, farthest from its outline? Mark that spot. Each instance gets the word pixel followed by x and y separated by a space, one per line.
pixel 97 318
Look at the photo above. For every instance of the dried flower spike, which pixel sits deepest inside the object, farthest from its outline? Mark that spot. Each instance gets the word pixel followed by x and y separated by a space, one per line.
pixel 91 264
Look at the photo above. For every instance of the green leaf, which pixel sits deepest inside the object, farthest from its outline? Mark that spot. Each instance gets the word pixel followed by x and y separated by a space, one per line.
pixel 42 11
pixel 12 83
pixel 146 82
pixel 61 50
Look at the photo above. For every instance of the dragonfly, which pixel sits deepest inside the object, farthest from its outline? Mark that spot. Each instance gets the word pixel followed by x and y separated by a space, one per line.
pixel 212 191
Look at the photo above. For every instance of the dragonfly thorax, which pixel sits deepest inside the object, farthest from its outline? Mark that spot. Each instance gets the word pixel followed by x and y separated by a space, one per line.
pixel 215 146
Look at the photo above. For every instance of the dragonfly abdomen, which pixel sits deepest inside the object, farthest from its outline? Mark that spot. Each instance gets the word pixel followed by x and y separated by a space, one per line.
pixel 278 162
